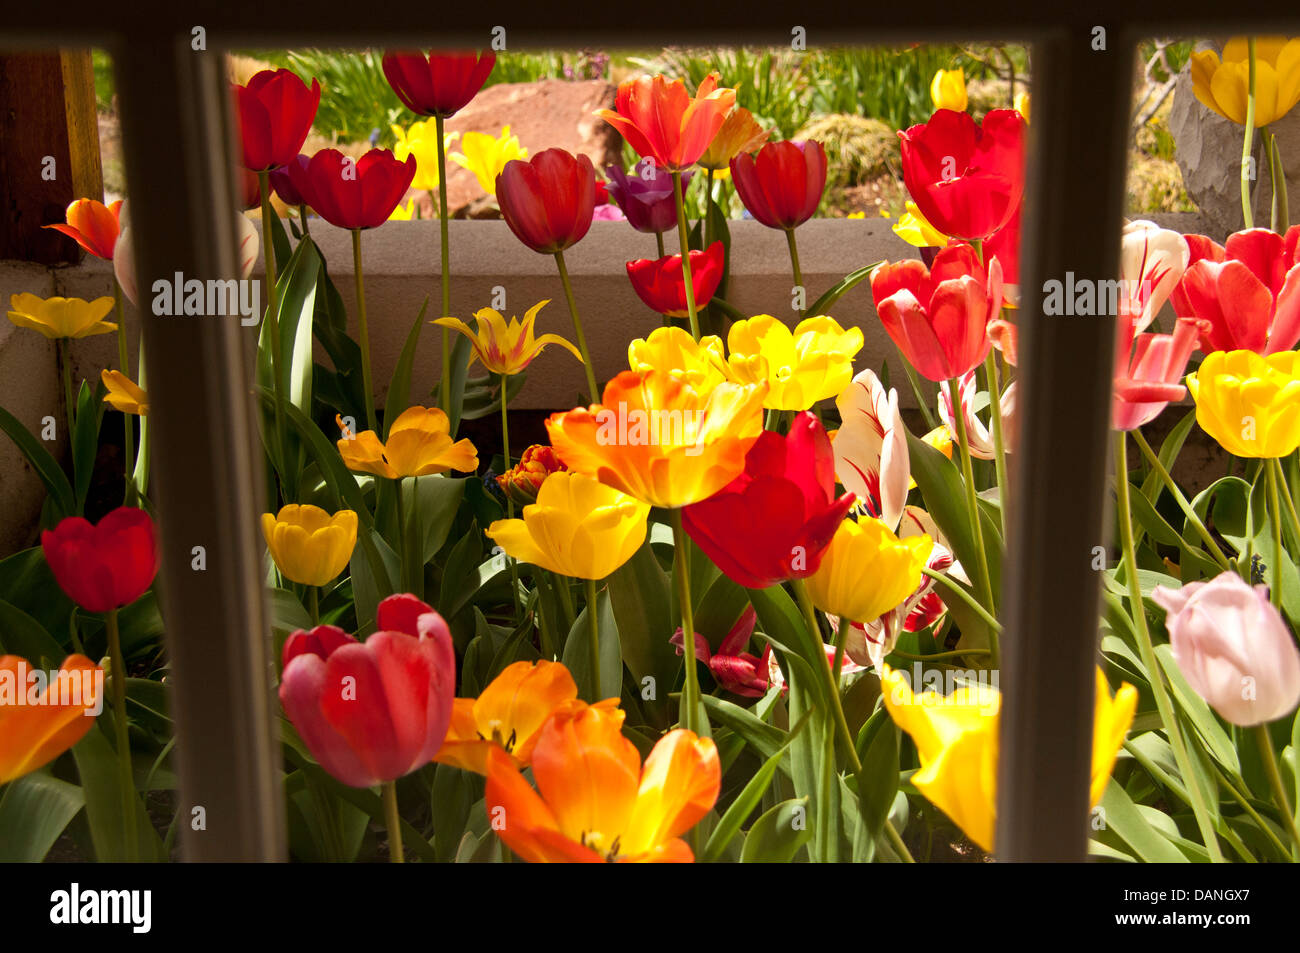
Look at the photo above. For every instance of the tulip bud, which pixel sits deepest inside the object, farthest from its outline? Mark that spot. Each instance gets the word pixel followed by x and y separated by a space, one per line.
pixel 522 481
pixel 1233 648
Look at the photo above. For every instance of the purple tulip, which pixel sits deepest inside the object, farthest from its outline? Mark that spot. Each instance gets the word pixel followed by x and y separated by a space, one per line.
pixel 283 187
pixel 646 196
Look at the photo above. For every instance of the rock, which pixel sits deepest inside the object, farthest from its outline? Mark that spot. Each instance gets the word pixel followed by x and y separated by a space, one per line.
pixel 549 113
pixel 1209 155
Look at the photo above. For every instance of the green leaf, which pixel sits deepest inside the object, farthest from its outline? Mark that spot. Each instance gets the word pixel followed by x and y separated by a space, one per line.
pixel 766 739
pixel 1152 486
pixel 639 593
pixel 841 288
pixel 777 836
pixel 34 810
pixel 295 307
pixel 782 621
pixel 98 769
pixel 461 349
pixel 374 567
pixel 577 651
pixel 1124 818
pixel 438 500
pixel 399 386
pixel 46 467
pixel 1213 738
pixel 878 746
pixel 85 440
pixel 22 635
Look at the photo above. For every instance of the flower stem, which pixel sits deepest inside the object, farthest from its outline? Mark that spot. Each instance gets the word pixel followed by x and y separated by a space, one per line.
pixel 364 331
pixel 999 444
pixel 841 636
pixel 708 208
pixel 794 261
pixel 302 216
pixel 65 373
pixel 1181 500
pixel 972 498
pixel 896 842
pixel 593 626
pixel 659 240
pixel 313 604
pixel 1275 517
pixel 1288 505
pixel 681 570
pixel 404 575
pixel 123 737
pixel 1248 217
pixel 272 315
pixel 510 503
pixel 995 627
pixel 679 195
pixel 444 273
pixel 1275 782
pixel 1148 652
pixel 837 707
pixel 577 328
pixel 394 822
pixel 128 425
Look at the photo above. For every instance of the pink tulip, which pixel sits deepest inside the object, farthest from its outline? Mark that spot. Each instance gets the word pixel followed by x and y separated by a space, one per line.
pixel 1149 376
pixel 1233 648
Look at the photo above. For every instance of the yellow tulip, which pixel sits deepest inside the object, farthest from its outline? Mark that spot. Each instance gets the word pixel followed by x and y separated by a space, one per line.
pixel 1022 105
pixel 578 527
pixel 1223 84
pixel 310 546
pixel 419 444
pixel 867 570
pixel 701 364
pixel 123 394
pixel 401 214
pixel 1248 403
pixel 740 132
pixel 948 89
pixel 913 228
pixel 506 348
pixel 61 317
pixel 420 139
pixel 956 738
pixel 801 367
pixel 487 156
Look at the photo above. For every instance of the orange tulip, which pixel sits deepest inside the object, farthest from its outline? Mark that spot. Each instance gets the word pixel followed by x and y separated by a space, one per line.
pixel 659 439
pixel 740 132
pixel 419 443
pixel 93 225
pixel 660 119
pixel 508 716
pixel 597 802
pixel 36 730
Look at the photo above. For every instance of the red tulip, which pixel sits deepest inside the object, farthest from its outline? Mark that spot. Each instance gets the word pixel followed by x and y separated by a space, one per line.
pixel 282 181
pixel 93 225
pixel 548 200
pixel 353 194
pixel 440 84
pixel 939 316
pixel 250 190
pixel 659 283
pixel 1247 291
pixel 377 710
pixel 1149 376
pixel 966 179
pixel 276 110
pixel 1004 245
pixel 781 186
pixel 735 670
pixel 107 565
pixel 773 522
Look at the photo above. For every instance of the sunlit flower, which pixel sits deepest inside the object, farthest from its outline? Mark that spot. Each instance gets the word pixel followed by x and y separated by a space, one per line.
pixel 1223 84
pixel 801 367
pixel 506 348
pixel 419 443
pixel 61 317
pixel 486 156
pixel 124 394
pixel 309 545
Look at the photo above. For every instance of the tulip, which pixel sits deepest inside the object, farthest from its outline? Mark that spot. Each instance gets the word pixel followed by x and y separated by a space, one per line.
pixel 912 228
pixel 660 284
pixel 353 194
pixel 419 443
pixel 781 186
pixel 1248 403
pixel 1223 84
pixel 276 110
pixel 34 733
pixel 1248 291
pixel 871 456
pixel 740 134
pixel 486 156
pixel 548 200
pixel 867 570
pixel 1022 105
pixel 1152 262
pixel 1005 336
pixel 801 367
pixel 1150 379
pixel 701 364
pixel 106 565
pixel 773 522
pixel 439 84
pixel 646 196
pixel 956 738
pixel 660 120
pixel 420 139
pixel 938 317
pixel 595 801
pixel 93 225
pixel 948 89
pixel 981 442
pixel 735 670
pixel 1233 648
pixel 1004 245
pixel 123 394
pixel 58 318
pixel 507 716
pixel 659 439
pixel 282 183
pixel 522 482
pixel 406 214
pixel 502 348
pixel 578 527
pixel 371 712
pixel 966 178
pixel 308 544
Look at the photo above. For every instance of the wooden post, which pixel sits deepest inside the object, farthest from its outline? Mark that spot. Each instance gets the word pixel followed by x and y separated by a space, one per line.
pixel 50 132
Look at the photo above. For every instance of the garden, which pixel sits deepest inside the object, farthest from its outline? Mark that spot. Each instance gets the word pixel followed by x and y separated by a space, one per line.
pixel 701 557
